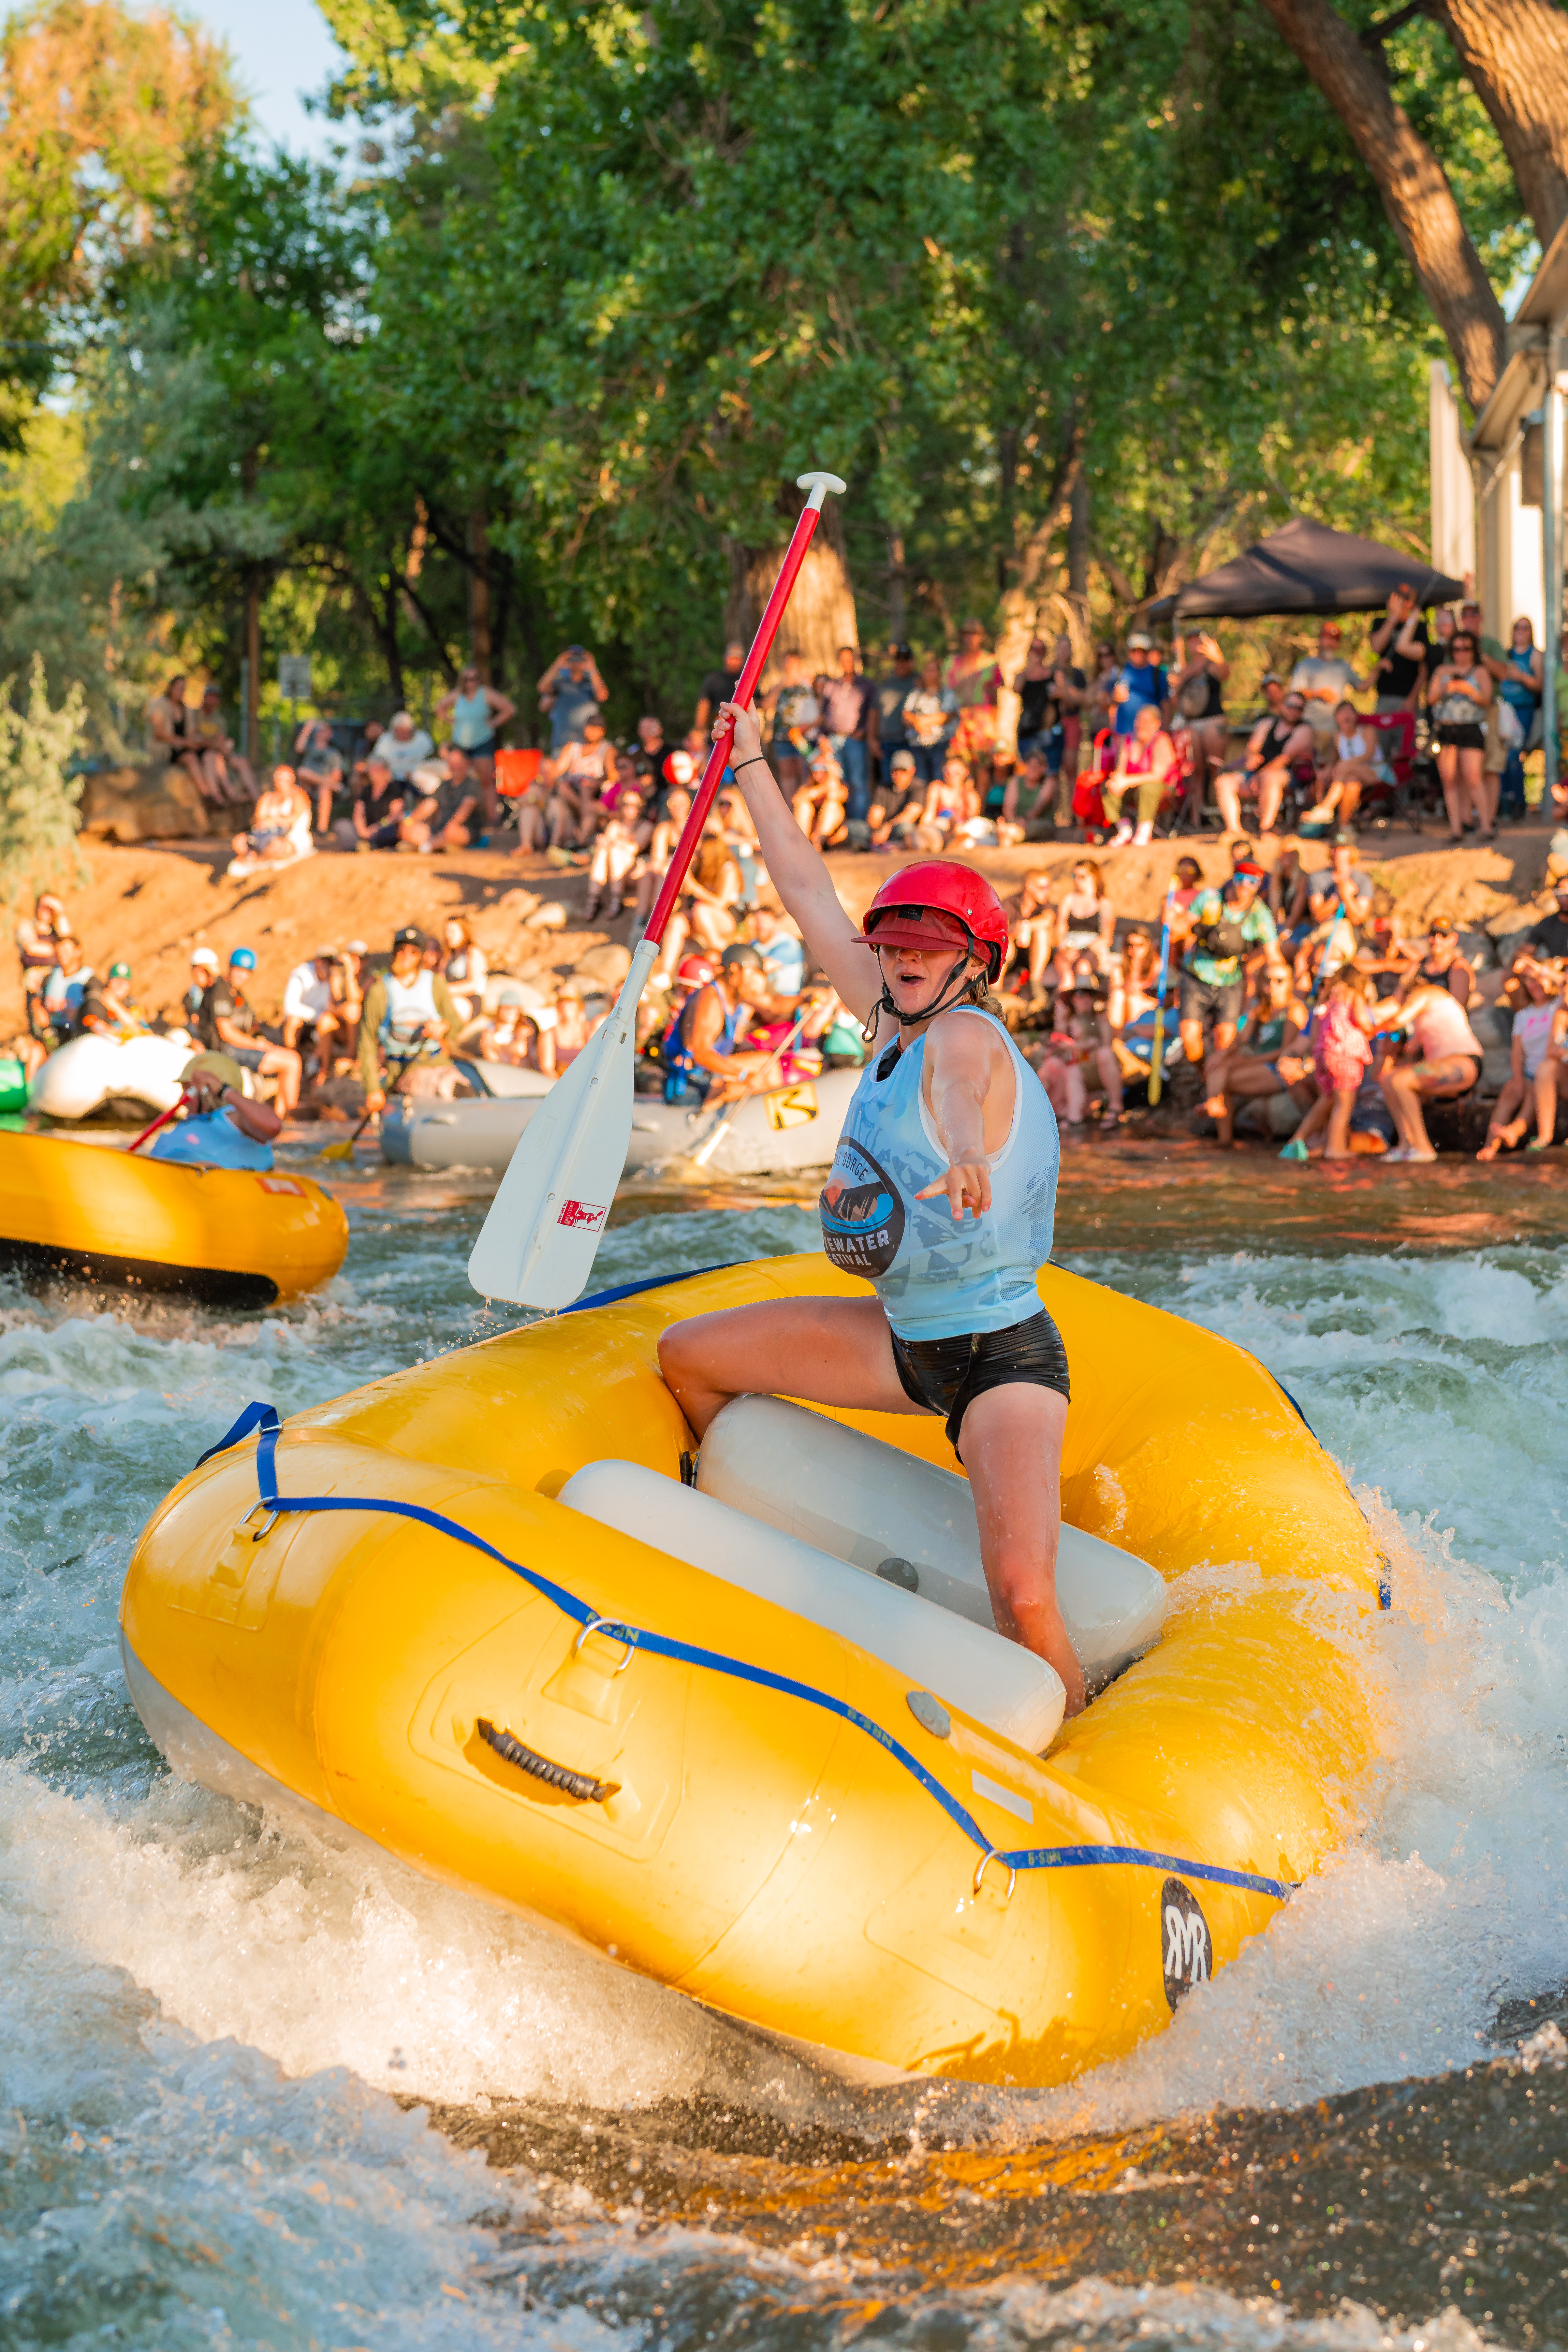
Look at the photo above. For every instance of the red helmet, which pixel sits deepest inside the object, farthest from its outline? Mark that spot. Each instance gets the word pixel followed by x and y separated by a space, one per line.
pixel 693 970
pixel 938 903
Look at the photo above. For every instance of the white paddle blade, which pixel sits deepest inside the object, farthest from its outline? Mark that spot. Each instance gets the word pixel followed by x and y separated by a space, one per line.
pixel 537 1245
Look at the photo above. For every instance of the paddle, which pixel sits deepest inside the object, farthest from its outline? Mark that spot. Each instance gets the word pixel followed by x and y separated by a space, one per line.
pixel 162 1120
pixel 704 1151
pixel 1157 1053
pixel 345 1151
pixel 538 1244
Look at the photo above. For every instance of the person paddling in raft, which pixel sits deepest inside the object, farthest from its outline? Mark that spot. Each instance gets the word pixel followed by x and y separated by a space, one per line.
pixel 942 1196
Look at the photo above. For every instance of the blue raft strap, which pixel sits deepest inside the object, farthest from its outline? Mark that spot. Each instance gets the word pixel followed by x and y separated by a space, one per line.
pixel 263 1419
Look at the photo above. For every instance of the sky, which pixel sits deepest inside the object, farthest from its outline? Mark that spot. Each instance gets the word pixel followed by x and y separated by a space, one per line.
pixel 282 48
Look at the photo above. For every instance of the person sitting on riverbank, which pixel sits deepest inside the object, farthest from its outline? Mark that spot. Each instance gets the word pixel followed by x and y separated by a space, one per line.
pixel 64 992
pixel 1270 1056
pixel 219 1125
pixel 38 935
pixel 1086 921
pixel 227 1023
pixel 1341 1055
pixel 820 802
pixel 409 1018
pixel 1080 1051
pixel 1219 930
pixel 1441 1061
pixel 1032 935
pixel 279 832
pixel 1442 965
pixel 229 776
pixel 521 1032
pixel 319 1013
pixel 1535 1066
pixel 616 853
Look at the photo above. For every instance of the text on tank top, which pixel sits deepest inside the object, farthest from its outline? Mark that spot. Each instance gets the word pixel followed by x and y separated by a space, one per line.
pixel 935 1277
pixel 408 1008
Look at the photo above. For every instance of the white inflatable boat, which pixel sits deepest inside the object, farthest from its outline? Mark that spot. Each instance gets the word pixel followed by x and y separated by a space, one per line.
pixel 90 1074
pixel 792 1127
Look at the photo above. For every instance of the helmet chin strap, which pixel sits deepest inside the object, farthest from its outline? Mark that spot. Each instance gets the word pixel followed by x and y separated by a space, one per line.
pixel 943 997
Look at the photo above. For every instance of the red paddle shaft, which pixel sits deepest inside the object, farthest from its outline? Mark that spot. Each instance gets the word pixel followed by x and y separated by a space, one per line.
pixel 745 687
pixel 162 1120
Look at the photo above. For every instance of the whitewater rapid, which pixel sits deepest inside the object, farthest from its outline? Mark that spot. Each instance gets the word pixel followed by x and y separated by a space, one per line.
pixel 201 2015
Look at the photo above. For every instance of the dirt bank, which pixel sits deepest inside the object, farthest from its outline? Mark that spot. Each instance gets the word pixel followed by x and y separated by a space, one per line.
pixel 151 904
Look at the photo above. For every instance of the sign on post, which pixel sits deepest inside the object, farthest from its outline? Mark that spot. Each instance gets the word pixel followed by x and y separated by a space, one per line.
pixel 294 677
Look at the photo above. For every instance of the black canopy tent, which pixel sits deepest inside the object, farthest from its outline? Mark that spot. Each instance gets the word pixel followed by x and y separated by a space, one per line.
pixel 1304 568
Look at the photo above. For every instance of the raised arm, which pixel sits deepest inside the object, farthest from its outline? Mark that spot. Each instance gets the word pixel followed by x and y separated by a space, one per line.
pixel 798 873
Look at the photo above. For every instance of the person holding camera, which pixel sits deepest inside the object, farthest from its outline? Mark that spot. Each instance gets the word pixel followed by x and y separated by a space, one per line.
pixel 1220 929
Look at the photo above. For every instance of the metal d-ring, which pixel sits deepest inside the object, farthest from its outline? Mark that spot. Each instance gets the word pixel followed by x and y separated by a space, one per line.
pixel 259 1535
pixel 597 1625
pixel 993 1854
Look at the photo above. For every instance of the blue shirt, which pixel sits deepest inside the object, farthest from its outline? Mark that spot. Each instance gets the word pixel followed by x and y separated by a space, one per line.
pixel 1143 684
pixel 213 1140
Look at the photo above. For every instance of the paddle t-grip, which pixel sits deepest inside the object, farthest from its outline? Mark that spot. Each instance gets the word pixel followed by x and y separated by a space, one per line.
pixel 817 486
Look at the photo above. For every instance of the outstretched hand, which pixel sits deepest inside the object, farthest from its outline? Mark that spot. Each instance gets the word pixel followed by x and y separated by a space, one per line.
pixel 967 1184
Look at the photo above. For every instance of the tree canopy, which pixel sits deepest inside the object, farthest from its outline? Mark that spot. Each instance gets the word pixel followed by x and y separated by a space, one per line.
pixel 542 358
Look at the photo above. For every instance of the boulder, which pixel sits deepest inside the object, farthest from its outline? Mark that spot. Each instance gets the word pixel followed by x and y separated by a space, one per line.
pixel 608 964
pixel 143 803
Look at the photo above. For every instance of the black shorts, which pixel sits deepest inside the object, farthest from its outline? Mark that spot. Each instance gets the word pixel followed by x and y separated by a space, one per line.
pixel 249 1057
pixel 945 1376
pixel 1202 998
pixel 1461 738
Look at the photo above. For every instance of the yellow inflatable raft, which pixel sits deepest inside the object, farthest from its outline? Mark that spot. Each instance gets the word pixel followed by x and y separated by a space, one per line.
pixel 386 1616
pixel 229 1236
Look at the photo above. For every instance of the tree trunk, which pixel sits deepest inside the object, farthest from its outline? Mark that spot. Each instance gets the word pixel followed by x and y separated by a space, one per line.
pixel 479 594
pixel 897 590
pixel 251 724
pixel 1412 183
pixel 1077 537
pixel 1515 53
pixel 820 615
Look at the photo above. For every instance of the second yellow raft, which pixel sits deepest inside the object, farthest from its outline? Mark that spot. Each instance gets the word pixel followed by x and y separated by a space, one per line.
pixel 228 1236
pixel 753 1809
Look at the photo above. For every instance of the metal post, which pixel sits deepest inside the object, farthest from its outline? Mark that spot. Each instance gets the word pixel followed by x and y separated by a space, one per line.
pixel 1552 548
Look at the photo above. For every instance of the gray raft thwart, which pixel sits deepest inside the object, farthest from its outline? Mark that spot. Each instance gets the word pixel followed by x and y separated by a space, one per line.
pixel 789 1129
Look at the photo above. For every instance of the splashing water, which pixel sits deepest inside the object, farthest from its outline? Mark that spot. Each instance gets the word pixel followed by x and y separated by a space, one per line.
pixel 202 2014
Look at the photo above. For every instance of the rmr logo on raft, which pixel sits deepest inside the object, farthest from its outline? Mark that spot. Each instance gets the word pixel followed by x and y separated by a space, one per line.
pixel 1186 1945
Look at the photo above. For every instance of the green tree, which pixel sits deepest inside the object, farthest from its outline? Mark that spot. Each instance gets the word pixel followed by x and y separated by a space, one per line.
pixel 37 798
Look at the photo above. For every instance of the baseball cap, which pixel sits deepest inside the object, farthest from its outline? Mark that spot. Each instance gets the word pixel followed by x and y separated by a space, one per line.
pixel 121 970
pixel 1271 677
pixel 410 936
pixel 1139 641
pixel 903 653
pixel 242 959
pixel 902 760
pixel 743 955
pixel 1331 629
pixel 205 957
pixel 356 947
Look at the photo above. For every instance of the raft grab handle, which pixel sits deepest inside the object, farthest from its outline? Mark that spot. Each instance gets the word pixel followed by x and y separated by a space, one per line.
pixel 262 1422
pixel 528 1760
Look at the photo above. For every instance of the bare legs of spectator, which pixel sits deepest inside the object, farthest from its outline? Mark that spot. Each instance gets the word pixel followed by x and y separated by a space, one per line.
pixel 1547 1079
pixel 1406 1084
pixel 281 1062
pixel 612 864
pixel 1230 783
pixel 1459 771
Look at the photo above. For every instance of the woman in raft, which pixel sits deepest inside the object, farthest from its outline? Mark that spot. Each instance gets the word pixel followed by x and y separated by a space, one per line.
pixel 942 1196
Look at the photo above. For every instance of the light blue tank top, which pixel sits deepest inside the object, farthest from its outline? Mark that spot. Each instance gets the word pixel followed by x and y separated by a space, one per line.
pixel 213 1142
pixel 471 720
pixel 934 1278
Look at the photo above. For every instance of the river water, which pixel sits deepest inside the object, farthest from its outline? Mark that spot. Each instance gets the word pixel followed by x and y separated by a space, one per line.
pixel 254 2094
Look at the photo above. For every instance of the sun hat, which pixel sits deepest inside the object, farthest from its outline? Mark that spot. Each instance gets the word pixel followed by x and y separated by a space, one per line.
pixel 214 1065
